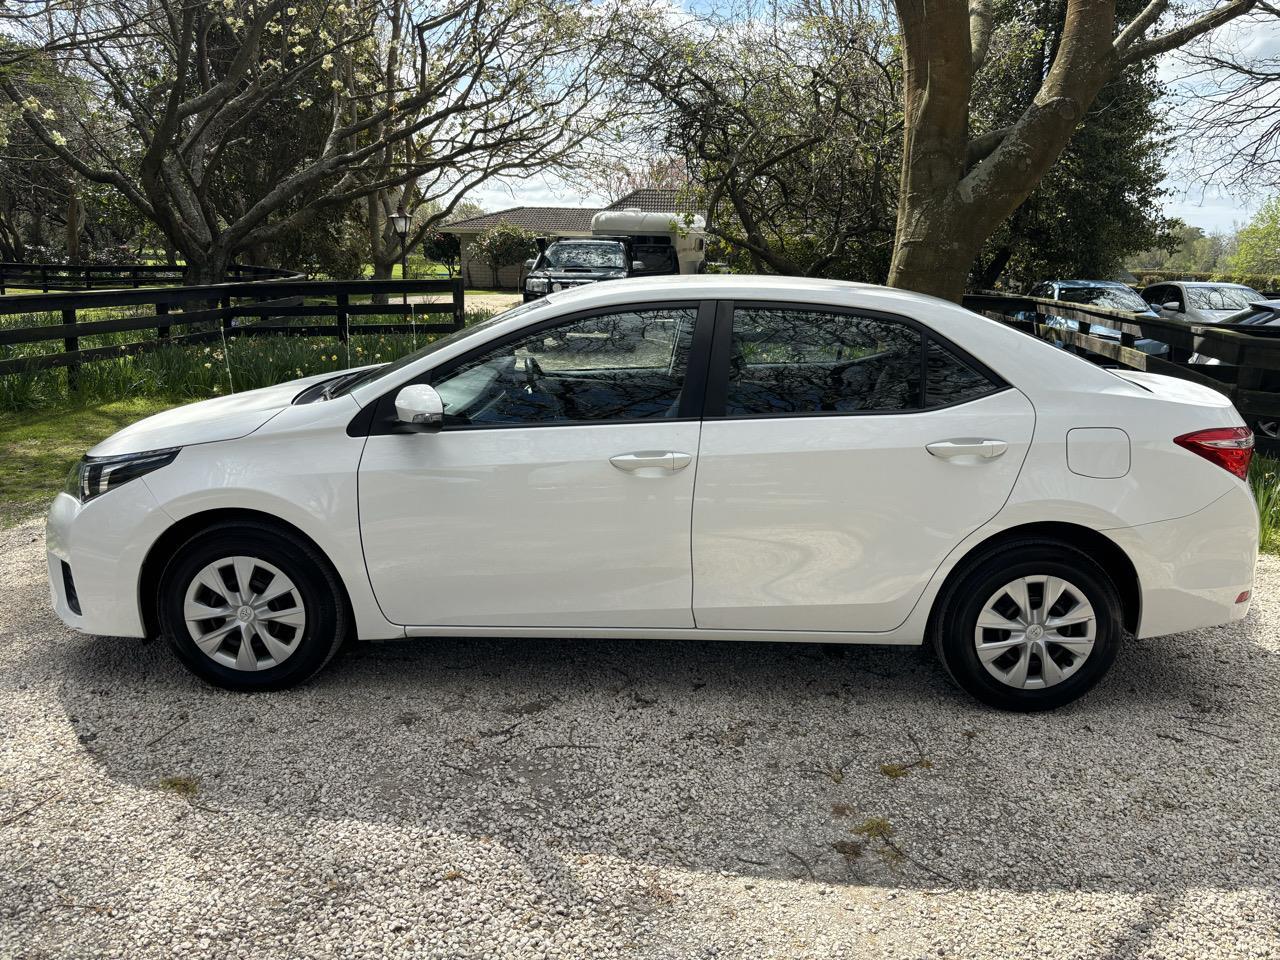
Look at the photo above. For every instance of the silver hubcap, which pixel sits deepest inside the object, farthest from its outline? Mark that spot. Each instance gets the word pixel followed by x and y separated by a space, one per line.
pixel 1035 632
pixel 244 613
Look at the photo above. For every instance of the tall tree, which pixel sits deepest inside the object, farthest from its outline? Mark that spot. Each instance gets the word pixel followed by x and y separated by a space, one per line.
pixel 349 98
pixel 1258 249
pixel 1102 201
pixel 956 189
pixel 787 123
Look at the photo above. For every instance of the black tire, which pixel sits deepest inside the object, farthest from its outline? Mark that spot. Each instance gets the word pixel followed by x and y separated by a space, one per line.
pixel 954 625
pixel 320 591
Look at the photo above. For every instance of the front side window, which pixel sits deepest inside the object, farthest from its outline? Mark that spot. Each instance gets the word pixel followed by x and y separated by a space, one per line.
pixel 795 361
pixel 620 366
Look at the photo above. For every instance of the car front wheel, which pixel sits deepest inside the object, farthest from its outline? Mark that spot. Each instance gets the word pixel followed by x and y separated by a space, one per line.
pixel 249 606
pixel 1032 626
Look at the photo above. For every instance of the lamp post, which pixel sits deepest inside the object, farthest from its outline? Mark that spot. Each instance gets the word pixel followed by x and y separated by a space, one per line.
pixel 402 223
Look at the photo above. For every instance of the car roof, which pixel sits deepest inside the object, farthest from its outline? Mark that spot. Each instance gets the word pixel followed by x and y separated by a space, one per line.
pixel 1210 283
pixel 1090 283
pixel 734 286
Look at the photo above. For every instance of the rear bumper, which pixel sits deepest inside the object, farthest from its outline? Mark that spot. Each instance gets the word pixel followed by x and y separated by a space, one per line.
pixel 103 544
pixel 1192 570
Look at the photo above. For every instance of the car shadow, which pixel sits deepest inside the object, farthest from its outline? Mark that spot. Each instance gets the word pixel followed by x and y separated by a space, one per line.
pixel 841 765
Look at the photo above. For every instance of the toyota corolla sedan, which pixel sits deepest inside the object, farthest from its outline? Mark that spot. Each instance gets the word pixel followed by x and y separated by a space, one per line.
pixel 708 457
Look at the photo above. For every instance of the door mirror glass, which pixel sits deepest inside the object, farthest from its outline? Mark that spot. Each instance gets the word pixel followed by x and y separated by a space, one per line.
pixel 419 406
pixel 1171 305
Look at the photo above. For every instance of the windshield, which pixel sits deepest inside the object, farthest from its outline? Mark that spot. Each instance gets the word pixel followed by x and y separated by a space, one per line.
pixel 377 373
pixel 1222 298
pixel 568 254
pixel 1115 298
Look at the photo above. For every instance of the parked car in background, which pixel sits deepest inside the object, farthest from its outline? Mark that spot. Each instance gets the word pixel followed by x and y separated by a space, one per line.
pixel 718 457
pixel 1263 313
pixel 1199 301
pixel 1111 294
pixel 565 264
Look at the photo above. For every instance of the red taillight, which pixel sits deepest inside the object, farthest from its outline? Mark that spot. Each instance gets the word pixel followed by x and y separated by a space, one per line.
pixel 1231 448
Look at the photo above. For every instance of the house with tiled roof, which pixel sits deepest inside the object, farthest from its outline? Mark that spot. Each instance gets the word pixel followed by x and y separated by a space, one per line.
pixel 550 222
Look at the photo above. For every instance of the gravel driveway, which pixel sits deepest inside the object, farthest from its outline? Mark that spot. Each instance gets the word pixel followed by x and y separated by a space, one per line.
pixel 625 799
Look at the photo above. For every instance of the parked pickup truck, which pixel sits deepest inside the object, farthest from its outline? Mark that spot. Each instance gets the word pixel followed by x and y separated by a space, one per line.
pixel 564 264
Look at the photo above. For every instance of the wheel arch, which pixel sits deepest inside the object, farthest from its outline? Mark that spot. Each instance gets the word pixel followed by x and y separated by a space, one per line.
pixel 167 544
pixel 1098 546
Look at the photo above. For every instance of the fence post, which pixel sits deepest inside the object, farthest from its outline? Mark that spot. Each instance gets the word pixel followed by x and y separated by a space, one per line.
pixel 69 344
pixel 2 272
pixel 344 318
pixel 136 282
pixel 44 278
pixel 162 327
pixel 459 311
pixel 225 304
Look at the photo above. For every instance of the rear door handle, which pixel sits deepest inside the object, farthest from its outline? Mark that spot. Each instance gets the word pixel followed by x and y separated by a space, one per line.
pixel 967 447
pixel 652 460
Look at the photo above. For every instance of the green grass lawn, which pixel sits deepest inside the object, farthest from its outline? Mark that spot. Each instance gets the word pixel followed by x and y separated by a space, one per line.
pixel 38 448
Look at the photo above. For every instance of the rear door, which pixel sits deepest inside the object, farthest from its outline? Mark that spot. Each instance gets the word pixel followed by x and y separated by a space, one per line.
pixel 843 456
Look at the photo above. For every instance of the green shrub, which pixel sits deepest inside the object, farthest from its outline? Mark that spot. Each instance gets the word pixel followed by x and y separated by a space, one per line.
pixel 1264 477
pixel 1263 283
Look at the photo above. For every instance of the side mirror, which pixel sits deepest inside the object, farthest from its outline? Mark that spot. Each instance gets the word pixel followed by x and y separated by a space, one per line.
pixel 528 264
pixel 419 406
pixel 637 265
pixel 1171 305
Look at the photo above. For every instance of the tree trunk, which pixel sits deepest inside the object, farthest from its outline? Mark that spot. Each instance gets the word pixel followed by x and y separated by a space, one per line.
pixel 933 256
pixel 950 201
pixel 929 254
pixel 382 270
pixel 205 267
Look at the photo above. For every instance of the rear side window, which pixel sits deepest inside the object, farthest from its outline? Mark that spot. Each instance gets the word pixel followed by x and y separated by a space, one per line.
pixel 794 361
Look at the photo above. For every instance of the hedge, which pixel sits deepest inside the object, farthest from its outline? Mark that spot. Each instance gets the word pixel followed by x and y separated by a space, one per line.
pixel 1259 281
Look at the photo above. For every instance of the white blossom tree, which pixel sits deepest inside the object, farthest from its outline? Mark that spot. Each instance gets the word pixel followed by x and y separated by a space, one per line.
pixel 250 119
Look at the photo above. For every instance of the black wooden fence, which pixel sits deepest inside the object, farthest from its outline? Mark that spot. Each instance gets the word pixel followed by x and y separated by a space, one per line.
pixel 1248 357
pixel 193 315
pixel 66 276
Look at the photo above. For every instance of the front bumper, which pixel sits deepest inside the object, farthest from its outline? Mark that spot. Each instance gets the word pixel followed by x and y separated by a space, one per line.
pixel 103 544
pixel 1192 570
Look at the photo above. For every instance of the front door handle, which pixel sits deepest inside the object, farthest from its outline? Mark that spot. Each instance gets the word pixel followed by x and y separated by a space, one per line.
pixel 978 449
pixel 652 461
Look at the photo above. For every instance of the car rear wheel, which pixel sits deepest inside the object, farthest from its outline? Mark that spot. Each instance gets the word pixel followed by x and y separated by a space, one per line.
pixel 1031 626
pixel 249 606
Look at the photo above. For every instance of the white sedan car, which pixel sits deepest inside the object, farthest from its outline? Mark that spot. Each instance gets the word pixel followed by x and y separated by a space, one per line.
pixel 739 458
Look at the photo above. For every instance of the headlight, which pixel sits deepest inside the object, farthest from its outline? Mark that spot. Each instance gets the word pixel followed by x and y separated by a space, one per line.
pixel 94 476
pixel 536 284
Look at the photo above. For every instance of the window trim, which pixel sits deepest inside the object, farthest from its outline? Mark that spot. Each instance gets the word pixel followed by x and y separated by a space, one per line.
pixel 379 417
pixel 718 378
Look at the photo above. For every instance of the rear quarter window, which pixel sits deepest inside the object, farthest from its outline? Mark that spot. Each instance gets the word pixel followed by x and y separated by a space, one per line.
pixel 950 380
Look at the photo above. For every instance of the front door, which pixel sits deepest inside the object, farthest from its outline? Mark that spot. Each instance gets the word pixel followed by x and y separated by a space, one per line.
pixel 853 453
pixel 558 492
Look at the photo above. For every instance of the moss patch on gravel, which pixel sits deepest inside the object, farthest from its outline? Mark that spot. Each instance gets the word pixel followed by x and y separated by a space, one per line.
pixel 38 449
